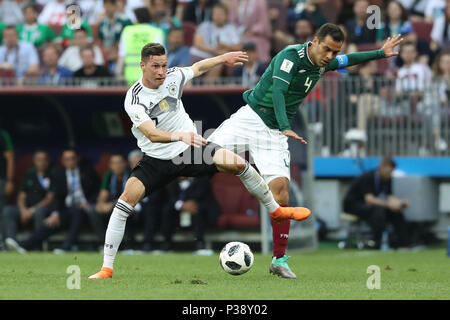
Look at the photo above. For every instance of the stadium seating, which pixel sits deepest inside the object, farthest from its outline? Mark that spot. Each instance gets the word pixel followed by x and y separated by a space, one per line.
pixel 189 32
pixel 423 29
pixel 239 207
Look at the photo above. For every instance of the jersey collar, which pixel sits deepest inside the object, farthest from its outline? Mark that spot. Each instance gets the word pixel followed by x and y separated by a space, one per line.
pixel 307 54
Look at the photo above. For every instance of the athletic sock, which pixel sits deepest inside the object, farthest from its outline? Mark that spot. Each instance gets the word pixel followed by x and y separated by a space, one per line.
pixel 280 234
pixel 256 185
pixel 115 232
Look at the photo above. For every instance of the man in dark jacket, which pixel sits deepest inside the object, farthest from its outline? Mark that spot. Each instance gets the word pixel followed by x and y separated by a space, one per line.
pixel 33 198
pixel 193 201
pixel 370 198
pixel 75 188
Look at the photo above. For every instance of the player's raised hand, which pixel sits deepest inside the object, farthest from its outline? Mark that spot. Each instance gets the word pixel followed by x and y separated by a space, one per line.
pixel 390 44
pixel 192 139
pixel 293 135
pixel 235 58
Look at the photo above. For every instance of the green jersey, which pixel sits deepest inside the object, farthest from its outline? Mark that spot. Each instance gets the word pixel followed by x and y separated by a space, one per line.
pixel 289 78
pixel 36 34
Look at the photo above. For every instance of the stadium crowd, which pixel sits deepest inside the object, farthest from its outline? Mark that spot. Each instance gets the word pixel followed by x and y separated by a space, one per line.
pixel 43 39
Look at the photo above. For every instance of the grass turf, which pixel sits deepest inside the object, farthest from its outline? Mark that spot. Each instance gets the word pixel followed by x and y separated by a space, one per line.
pixel 323 274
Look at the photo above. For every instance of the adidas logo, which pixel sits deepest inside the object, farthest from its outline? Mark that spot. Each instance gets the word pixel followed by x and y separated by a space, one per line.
pixel 301 71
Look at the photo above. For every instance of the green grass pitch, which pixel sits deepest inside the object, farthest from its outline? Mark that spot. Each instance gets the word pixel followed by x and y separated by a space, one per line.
pixel 322 274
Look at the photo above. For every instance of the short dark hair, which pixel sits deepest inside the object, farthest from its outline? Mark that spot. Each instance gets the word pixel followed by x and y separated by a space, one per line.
pixel 408 43
pixel 31 6
pixel 142 15
pixel 109 1
pixel 388 161
pixel 70 149
pixel 10 27
pixel 152 49
pixel 176 29
pixel 332 30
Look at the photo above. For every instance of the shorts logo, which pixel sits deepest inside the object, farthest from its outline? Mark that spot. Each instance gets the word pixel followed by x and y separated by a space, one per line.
pixel 164 106
pixel 287 165
pixel 136 117
pixel 286 66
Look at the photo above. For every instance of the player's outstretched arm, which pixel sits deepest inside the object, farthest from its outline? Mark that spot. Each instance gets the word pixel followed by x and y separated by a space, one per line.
pixel 155 135
pixel 351 59
pixel 236 58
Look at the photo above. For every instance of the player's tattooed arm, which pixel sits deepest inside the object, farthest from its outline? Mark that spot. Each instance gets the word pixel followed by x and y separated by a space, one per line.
pixel 236 58
pixel 155 135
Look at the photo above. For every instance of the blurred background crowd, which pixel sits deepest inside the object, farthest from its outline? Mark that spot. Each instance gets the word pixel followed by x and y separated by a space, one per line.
pixel 44 39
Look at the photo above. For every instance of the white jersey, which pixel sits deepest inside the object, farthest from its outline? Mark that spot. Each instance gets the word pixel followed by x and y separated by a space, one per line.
pixel 164 107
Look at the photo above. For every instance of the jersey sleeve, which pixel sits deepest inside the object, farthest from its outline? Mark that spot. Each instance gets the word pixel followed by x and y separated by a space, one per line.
pixel 186 74
pixel 351 59
pixel 136 112
pixel 284 67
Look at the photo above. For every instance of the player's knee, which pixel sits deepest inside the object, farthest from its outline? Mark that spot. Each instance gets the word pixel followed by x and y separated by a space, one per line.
pixel 129 198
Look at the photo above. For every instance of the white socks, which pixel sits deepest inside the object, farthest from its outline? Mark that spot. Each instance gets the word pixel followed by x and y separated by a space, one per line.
pixel 256 185
pixel 115 232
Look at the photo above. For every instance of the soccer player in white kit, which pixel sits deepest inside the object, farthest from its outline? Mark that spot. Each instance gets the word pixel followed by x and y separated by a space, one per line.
pixel 168 138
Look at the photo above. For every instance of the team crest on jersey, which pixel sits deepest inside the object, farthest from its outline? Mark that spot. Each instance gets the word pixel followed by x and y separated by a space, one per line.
pixel 164 106
pixel 173 89
pixel 322 70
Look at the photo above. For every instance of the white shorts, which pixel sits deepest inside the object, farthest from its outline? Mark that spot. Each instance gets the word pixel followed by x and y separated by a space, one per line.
pixel 245 131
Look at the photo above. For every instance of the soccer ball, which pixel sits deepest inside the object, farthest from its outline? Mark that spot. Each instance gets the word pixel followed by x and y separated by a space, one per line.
pixel 236 258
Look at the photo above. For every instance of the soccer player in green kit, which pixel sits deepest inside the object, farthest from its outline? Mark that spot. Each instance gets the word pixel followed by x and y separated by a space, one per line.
pixel 262 127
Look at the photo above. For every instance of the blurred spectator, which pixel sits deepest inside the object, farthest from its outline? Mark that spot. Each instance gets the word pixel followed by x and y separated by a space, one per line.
pixel 71 57
pixel 53 13
pixel 252 19
pixel 66 37
pixel 6 169
pixel 251 71
pixel 33 198
pixel 416 9
pixel 75 188
pixel 52 73
pixel 192 200
pixel 178 54
pixel 304 32
pixel 134 157
pixel 413 77
pixel 128 7
pixel 441 74
pixel 2 26
pixel 370 198
pixel 162 18
pixel 33 32
pixel 10 12
pixel 214 38
pixel 434 10
pixel 90 69
pixel 198 11
pixel 425 55
pixel 17 56
pixel 396 20
pixel 440 34
pixel 110 29
pixel 132 40
pixel 357 29
pixel 112 186
pixel 91 10
pixel 367 96
pixel 345 9
pixel 312 12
